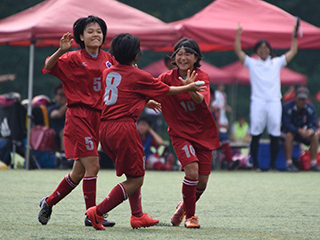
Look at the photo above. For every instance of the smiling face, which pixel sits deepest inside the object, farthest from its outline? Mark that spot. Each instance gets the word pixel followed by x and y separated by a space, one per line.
pixel 92 37
pixel 185 60
pixel 263 51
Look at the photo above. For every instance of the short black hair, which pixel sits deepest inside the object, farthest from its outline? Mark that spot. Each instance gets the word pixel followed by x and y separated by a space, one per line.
pixel 57 88
pixel 259 43
pixel 81 23
pixel 191 46
pixel 125 48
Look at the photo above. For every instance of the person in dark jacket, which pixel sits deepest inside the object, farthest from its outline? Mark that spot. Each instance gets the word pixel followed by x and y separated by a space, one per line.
pixel 299 123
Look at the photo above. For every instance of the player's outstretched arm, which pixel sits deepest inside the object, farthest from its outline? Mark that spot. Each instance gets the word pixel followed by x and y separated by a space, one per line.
pixel 65 44
pixel 191 86
pixel 237 45
pixel 294 46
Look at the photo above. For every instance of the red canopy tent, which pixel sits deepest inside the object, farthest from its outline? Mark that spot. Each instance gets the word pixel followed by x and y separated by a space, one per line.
pixel 216 75
pixel 44 24
pixel 214 27
pixel 241 74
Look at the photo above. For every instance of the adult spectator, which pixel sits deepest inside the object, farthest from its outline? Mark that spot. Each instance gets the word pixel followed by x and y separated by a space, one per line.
pixel 220 108
pixel 265 107
pixel 57 114
pixel 299 122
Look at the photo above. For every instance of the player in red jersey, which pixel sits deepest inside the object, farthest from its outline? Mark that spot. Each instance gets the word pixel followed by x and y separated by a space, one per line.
pixel 80 72
pixel 192 129
pixel 127 89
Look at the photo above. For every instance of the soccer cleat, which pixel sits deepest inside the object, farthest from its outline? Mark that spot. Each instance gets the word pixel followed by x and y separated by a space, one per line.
pixel 105 222
pixel 95 219
pixel 3 166
pixel 292 168
pixel 45 212
pixel 178 215
pixel 143 221
pixel 192 222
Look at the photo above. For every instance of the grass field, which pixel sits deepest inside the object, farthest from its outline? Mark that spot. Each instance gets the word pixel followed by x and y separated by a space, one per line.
pixel 236 205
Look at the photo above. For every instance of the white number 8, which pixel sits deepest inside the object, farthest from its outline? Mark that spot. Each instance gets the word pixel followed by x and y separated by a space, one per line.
pixel 113 80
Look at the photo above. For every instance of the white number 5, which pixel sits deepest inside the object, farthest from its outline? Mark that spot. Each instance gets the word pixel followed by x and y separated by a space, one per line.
pixel 97 84
pixel 89 143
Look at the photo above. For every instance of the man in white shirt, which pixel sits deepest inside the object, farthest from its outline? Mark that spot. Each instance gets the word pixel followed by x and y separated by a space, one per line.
pixel 265 107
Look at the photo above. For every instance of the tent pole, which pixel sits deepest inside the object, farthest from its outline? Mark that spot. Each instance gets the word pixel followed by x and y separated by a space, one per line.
pixel 30 86
pixel 233 103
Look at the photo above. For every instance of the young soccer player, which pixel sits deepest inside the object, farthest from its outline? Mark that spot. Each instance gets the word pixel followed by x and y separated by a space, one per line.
pixel 80 72
pixel 192 129
pixel 127 89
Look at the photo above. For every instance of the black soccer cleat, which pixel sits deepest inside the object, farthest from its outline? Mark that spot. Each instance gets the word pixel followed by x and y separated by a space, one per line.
pixel 45 212
pixel 105 222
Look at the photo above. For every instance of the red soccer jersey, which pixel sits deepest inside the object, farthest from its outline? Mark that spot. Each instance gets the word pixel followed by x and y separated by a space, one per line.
pixel 81 74
pixel 126 91
pixel 187 119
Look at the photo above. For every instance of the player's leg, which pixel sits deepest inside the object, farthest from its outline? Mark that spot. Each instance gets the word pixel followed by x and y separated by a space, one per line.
pixel 205 163
pixel 68 183
pixel 129 188
pixel 274 125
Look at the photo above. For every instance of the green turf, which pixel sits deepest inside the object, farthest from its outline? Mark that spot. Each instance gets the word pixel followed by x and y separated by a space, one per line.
pixel 236 205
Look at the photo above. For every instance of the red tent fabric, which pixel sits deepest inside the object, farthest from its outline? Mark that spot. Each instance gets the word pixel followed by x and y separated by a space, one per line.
pixel 214 27
pixel 46 22
pixel 216 75
pixel 241 74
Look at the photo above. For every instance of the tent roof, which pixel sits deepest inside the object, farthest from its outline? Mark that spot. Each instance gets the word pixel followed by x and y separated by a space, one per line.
pixel 48 21
pixel 216 75
pixel 241 74
pixel 214 27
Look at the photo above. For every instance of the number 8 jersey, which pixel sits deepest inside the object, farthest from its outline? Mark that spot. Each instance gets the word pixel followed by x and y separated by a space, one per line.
pixel 187 119
pixel 126 91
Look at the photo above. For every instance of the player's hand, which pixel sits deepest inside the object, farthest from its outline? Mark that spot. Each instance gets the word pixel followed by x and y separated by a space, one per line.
pixel 189 79
pixel 239 29
pixel 66 41
pixel 194 87
pixel 152 104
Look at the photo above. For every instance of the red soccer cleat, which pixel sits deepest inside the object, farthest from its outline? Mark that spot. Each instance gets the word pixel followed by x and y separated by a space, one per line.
pixel 95 219
pixel 143 221
pixel 178 215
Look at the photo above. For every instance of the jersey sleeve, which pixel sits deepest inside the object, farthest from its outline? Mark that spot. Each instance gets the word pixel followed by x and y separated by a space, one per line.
pixel 281 61
pixel 206 94
pixel 248 61
pixel 151 87
pixel 61 69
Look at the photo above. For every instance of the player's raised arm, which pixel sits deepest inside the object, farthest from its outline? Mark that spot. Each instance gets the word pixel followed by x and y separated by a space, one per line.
pixel 237 45
pixel 294 45
pixel 65 44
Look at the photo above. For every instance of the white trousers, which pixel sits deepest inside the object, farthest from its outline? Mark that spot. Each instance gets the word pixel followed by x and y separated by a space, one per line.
pixel 262 114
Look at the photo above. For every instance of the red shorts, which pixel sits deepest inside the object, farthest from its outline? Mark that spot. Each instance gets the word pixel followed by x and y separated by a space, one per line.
pixel 81 132
pixel 120 140
pixel 188 152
